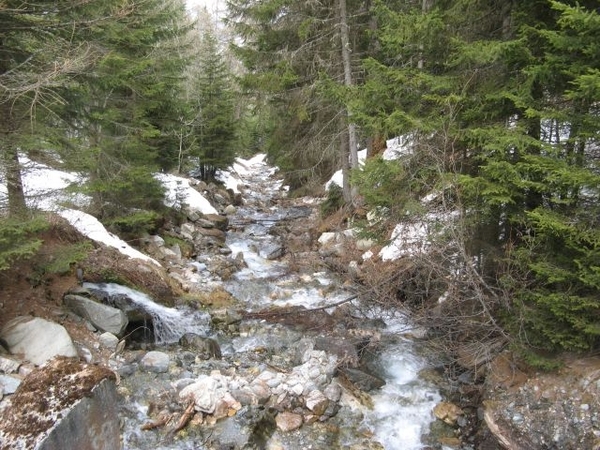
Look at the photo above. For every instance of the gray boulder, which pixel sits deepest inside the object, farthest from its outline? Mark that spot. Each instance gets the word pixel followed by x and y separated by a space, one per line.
pixel 154 361
pixel 361 379
pixel 9 383
pixel 103 317
pixel 204 347
pixel 37 339
pixel 64 402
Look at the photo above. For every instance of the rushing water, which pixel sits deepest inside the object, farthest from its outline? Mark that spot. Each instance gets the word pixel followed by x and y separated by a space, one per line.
pixel 402 409
pixel 169 324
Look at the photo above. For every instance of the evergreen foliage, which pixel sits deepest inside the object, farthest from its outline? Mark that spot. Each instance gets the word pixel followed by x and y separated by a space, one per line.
pixel 18 239
pixel 293 59
pixel 502 104
pixel 214 127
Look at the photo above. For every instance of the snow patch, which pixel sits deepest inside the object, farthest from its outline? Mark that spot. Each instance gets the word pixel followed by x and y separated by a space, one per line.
pixel 91 227
pixel 181 192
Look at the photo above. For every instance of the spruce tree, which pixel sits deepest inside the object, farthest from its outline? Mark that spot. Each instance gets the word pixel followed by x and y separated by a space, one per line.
pixel 498 101
pixel 211 95
pixel 122 112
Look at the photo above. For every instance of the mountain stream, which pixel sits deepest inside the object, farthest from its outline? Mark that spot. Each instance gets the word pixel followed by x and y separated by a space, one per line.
pixel 397 416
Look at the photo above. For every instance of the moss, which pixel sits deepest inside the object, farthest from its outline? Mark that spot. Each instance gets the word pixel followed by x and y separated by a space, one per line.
pixel 44 395
pixel 187 248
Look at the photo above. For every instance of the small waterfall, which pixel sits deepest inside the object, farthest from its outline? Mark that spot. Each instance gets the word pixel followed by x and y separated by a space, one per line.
pixel 169 324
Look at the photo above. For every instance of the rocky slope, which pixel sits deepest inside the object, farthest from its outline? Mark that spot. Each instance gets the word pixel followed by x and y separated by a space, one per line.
pixel 521 408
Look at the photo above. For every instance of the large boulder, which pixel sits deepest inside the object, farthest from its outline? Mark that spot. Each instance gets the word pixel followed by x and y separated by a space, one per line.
pixel 104 317
pixel 63 404
pixel 37 339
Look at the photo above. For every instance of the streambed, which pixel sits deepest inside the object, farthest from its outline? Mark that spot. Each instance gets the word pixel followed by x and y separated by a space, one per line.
pixel 393 417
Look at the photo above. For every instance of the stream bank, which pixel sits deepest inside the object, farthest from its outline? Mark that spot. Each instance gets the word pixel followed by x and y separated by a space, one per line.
pixel 208 371
pixel 261 345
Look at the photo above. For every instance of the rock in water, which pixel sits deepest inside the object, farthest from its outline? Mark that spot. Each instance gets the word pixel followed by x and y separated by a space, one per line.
pixel 37 339
pixel 155 361
pixel 64 404
pixel 288 421
pixel 103 317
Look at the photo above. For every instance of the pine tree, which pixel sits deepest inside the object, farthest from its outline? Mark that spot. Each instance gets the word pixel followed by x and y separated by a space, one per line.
pixel 293 55
pixel 125 108
pixel 212 96
pixel 498 100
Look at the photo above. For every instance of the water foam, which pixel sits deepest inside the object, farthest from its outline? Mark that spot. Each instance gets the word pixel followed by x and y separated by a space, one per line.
pixel 169 323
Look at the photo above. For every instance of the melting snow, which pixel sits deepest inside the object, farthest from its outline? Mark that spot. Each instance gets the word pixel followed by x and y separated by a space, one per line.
pixel 181 192
pixel 45 188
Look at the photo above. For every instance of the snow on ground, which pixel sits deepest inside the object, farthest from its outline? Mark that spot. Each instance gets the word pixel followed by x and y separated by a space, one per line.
pixel 398 147
pixel 407 238
pixel 395 148
pixel 91 227
pixel 45 188
pixel 180 192
pixel 234 176
pixel 337 177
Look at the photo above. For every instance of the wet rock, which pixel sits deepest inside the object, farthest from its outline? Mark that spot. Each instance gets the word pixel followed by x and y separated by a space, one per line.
pixel 288 421
pixel 103 317
pixel 204 394
pixel 361 379
pixel 249 429
pixel 272 251
pixel 215 233
pixel 447 412
pixel 204 223
pixel 204 347
pixel 345 350
pixel 220 222
pixel 245 396
pixel 229 210
pixel 317 402
pixel 108 340
pixel 261 392
pixel 155 361
pixel 122 302
pixel 333 392
pixel 37 339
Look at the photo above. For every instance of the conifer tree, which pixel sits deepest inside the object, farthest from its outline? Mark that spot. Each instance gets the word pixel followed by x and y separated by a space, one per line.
pixel 293 55
pixel 122 112
pixel 498 101
pixel 211 95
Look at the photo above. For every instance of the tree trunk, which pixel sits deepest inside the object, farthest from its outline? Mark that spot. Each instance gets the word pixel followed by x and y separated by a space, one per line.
pixel 348 82
pixel 14 183
pixel 11 167
pixel 346 188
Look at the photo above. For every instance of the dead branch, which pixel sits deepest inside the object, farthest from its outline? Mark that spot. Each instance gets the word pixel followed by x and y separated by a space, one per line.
pixel 270 313
pixel 185 418
pixel 161 422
